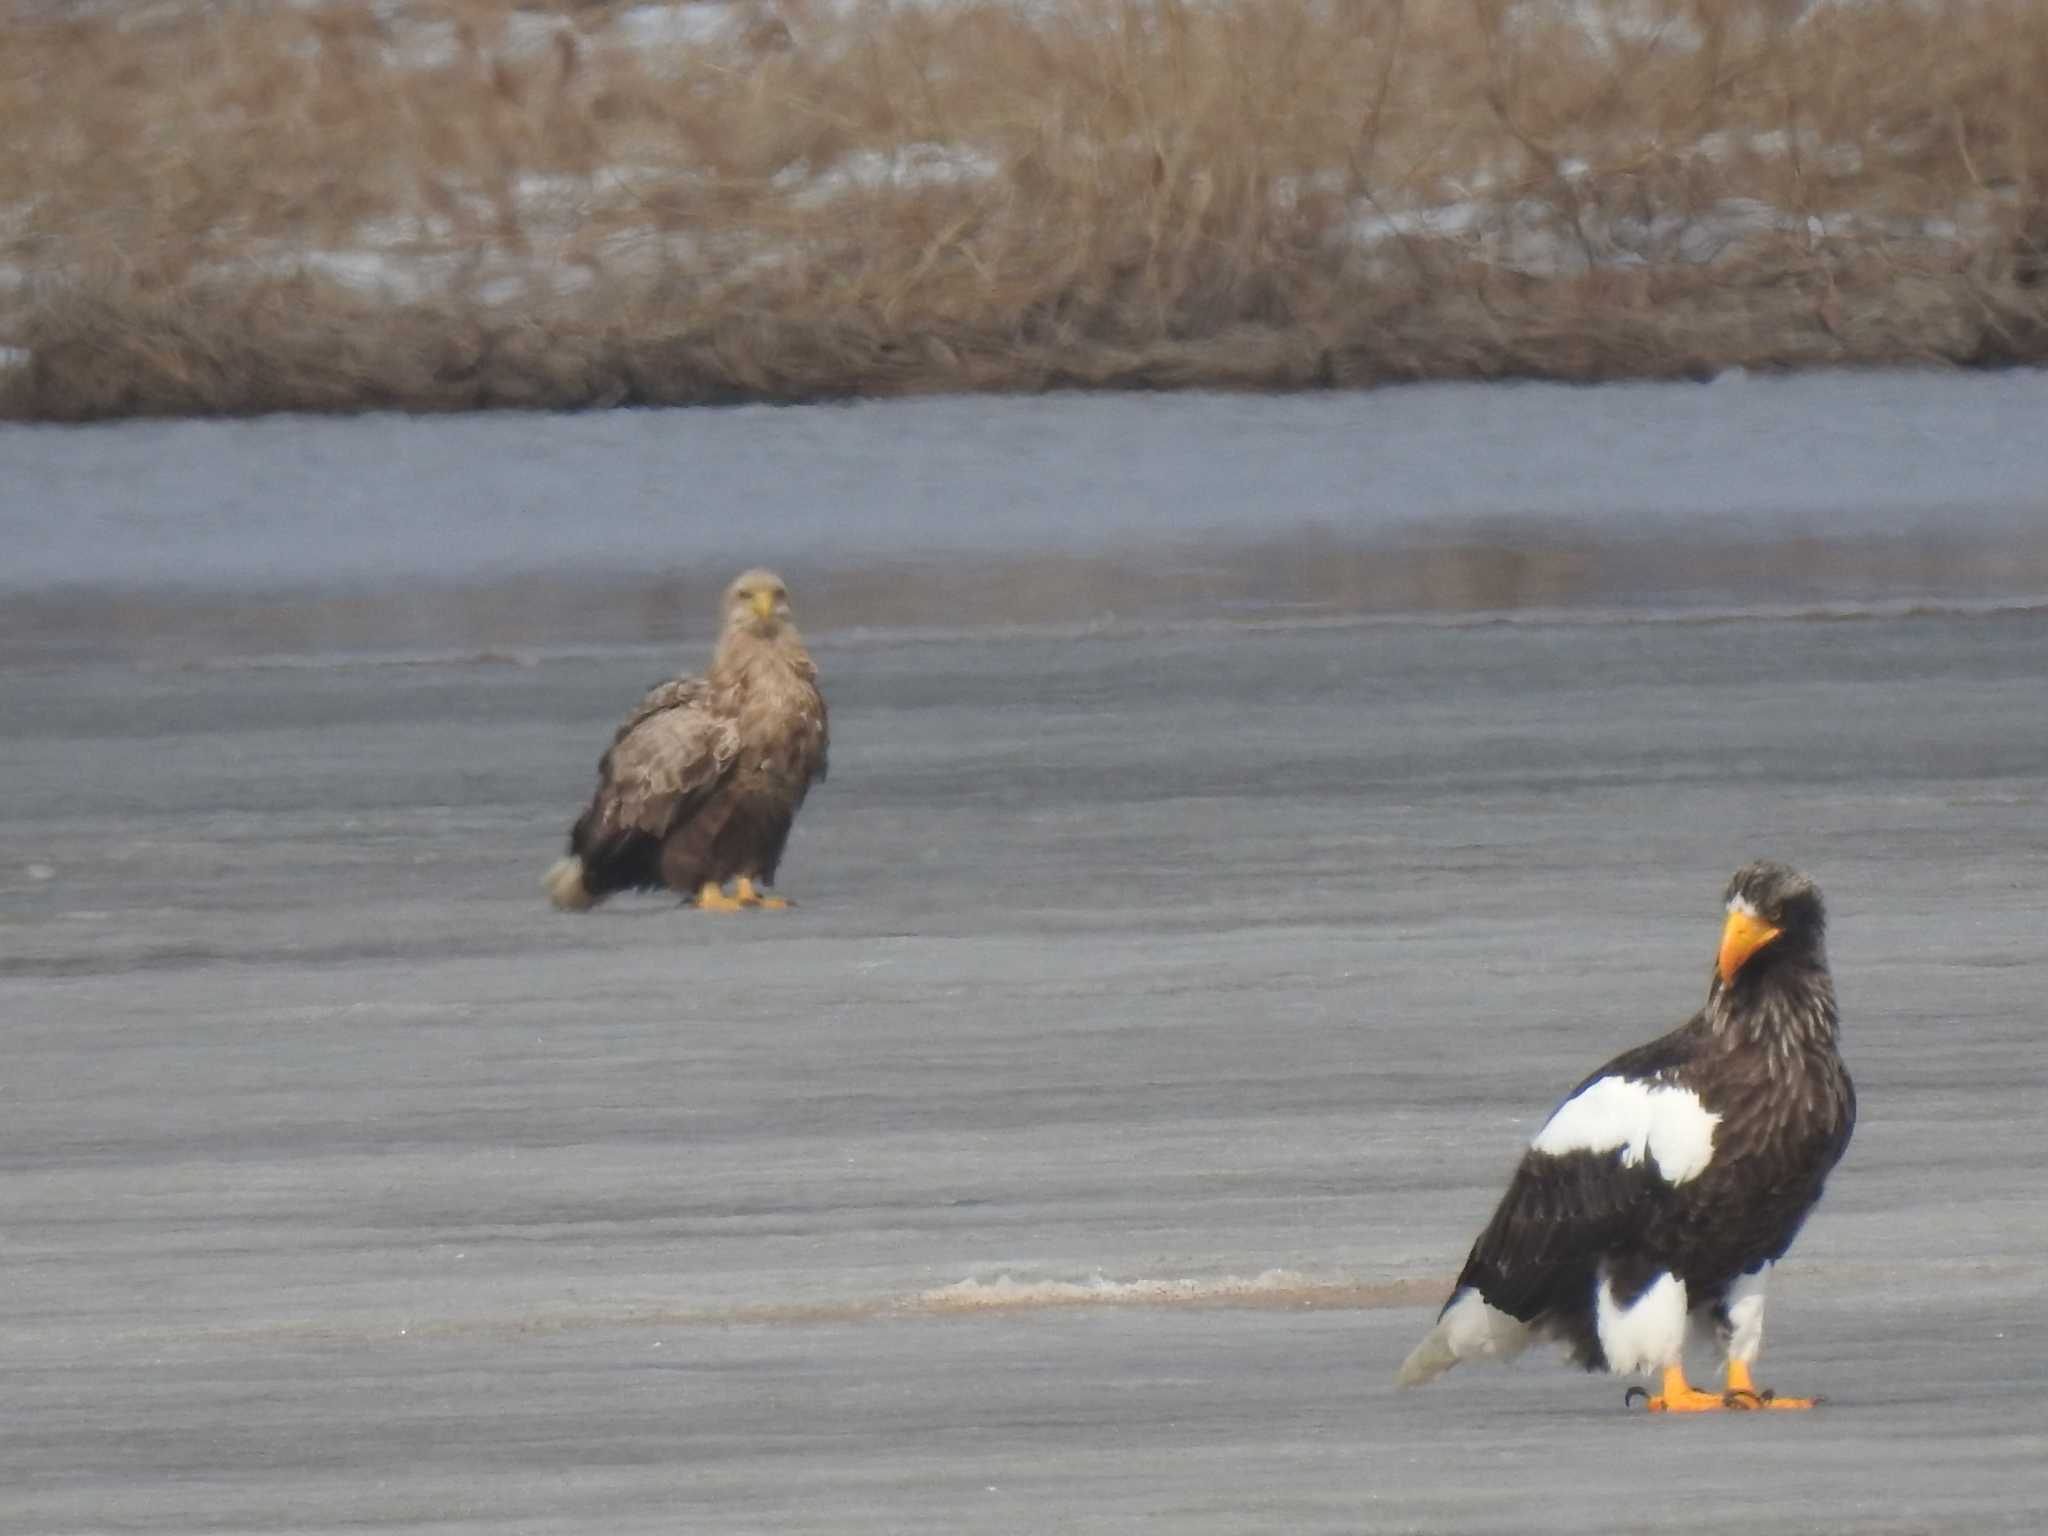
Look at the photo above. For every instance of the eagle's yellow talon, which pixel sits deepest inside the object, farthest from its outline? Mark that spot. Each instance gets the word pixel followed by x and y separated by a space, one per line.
pixel 711 897
pixel 1691 1402
pixel 1740 1385
pixel 1681 1396
pixel 747 896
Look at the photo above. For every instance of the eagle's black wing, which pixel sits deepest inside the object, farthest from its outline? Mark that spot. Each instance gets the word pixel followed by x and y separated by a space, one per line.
pixel 1562 1211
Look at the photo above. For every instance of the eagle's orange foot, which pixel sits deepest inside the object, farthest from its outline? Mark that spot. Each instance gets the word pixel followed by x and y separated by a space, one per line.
pixel 1691 1400
pixel 1681 1396
pixel 746 896
pixel 711 897
pixel 1742 1396
pixel 1744 1393
pixel 1759 1400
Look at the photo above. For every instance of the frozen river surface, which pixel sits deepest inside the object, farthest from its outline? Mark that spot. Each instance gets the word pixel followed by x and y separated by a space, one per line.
pixel 384 499
pixel 1167 1001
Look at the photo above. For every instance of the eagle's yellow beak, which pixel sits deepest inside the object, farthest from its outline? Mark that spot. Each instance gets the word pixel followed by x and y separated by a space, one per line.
pixel 1745 934
pixel 764 604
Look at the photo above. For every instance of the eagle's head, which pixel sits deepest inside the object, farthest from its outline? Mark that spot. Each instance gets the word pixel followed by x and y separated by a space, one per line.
pixel 757 603
pixel 1775 918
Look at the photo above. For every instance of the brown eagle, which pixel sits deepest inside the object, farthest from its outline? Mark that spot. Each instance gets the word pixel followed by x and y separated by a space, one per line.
pixel 702 782
pixel 1658 1195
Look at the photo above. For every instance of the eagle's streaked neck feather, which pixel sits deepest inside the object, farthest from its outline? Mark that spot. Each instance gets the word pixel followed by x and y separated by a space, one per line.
pixel 1787 1002
pixel 744 651
pixel 767 681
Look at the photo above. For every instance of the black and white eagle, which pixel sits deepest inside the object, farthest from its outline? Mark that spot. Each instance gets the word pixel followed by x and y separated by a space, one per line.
pixel 702 783
pixel 1656 1198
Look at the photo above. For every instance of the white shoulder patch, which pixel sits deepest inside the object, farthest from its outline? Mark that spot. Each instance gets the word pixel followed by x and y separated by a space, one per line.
pixel 1621 1114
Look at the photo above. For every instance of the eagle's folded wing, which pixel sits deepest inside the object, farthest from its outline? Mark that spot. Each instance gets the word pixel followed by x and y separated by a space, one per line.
pixel 1605 1165
pixel 668 756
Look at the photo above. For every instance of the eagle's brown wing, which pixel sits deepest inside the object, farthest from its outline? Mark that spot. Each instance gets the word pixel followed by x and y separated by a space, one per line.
pixel 676 693
pixel 669 755
pixel 813 732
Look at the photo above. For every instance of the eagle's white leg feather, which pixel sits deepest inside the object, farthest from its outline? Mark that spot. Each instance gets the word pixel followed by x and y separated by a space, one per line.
pixel 1647 1334
pixel 1746 1316
pixel 565 887
pixel 1468 1330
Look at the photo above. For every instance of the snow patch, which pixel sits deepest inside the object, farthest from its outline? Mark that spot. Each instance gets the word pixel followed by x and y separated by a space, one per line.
pixel 911 167
pixel 1006 1294
pixel 1538 238
pixel 677 26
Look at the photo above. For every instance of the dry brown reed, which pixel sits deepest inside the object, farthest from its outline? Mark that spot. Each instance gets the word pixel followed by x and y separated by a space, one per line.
pixel 248 207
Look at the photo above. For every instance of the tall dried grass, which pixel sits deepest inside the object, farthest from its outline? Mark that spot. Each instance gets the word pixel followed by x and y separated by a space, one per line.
pixel 245 207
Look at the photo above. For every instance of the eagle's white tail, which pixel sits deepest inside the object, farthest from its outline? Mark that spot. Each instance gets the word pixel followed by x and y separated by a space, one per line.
pixel 1468 1330
pixel 1428 1360
pixel 565 887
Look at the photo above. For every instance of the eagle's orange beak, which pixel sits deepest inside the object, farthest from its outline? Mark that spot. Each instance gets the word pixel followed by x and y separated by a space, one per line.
pixel 1745 934
pixel 764 604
